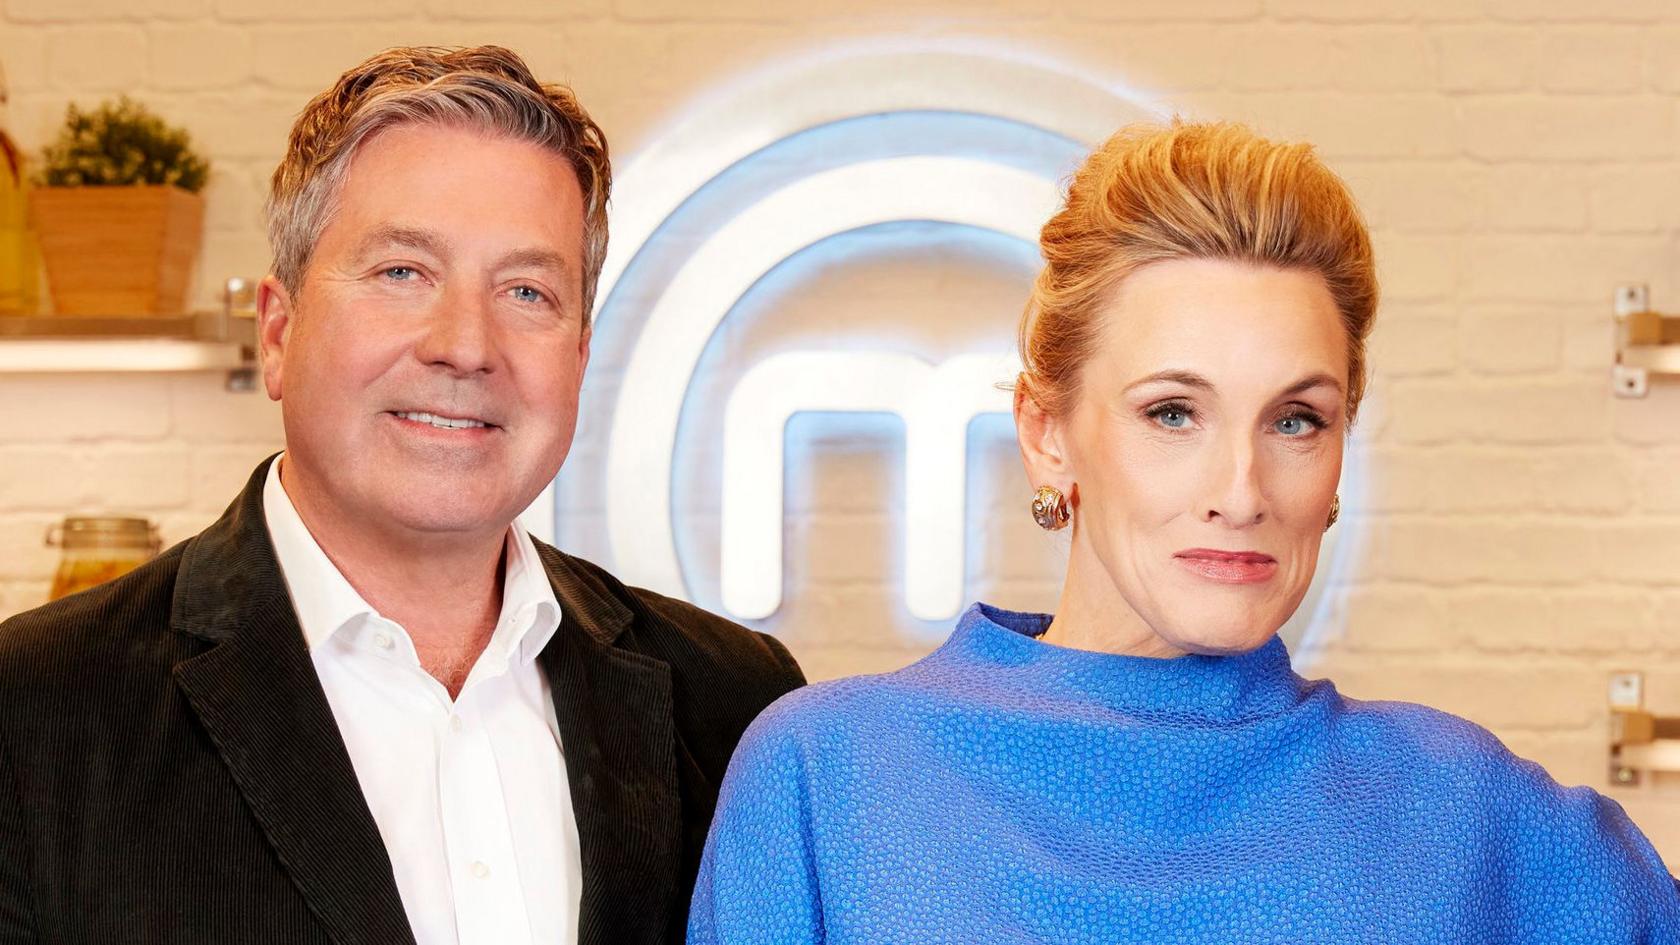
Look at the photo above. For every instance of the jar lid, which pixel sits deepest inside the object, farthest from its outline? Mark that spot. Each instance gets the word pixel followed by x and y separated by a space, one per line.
pixel 104 531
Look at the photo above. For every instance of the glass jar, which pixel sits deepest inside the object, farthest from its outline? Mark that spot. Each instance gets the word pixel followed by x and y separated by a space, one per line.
pixel 98 548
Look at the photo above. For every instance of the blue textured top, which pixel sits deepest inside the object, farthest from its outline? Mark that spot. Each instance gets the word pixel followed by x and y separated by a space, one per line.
pixel 1003 790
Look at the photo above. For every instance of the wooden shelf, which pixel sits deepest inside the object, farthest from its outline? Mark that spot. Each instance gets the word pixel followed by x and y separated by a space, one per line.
pixel 199 342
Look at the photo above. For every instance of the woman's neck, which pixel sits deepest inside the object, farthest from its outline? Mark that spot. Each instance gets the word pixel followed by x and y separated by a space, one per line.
pixel 1092 615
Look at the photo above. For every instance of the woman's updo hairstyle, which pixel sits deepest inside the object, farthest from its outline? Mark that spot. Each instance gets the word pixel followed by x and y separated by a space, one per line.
pixel 1189 191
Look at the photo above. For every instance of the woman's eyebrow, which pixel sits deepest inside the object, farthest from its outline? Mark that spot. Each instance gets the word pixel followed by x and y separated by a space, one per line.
pixel 1187 378
pixel 1308 383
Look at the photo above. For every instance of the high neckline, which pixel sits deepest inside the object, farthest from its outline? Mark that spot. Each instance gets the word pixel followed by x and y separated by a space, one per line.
pixel 1190 689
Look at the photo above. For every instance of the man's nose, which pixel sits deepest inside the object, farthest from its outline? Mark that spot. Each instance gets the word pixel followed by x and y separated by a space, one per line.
pixel 460 333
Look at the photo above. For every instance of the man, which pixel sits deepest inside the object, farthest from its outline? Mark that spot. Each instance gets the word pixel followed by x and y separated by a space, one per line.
pixel 365 706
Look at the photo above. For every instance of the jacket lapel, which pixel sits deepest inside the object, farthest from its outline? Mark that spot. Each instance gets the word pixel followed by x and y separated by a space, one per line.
pixel 257 695
pixel 617 733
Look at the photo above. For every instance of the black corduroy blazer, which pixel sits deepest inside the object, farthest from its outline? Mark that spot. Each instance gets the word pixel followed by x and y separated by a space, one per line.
pixel 170 769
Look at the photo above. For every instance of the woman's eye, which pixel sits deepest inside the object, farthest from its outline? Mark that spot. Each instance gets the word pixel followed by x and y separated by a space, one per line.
pixel 1171 416
pixel 1297 425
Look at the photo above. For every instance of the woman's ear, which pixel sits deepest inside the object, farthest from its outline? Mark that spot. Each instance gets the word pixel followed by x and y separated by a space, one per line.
pixel 1040 436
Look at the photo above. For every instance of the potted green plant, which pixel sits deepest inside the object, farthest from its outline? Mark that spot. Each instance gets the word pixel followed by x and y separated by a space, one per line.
pixel 118 212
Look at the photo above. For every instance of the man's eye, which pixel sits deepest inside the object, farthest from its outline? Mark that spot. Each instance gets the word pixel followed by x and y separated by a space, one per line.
pixel 400 273
pixel 525 293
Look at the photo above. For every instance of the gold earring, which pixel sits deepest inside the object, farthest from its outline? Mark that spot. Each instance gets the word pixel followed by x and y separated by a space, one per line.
pixel 1335 511
pixel 1050 508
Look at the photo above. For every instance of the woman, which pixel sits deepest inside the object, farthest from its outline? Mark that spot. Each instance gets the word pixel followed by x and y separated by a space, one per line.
pixel 1144 766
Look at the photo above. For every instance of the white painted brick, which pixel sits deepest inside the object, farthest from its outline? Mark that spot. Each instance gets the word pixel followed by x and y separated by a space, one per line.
pixel 1659 481
pixel 60 11
pixel 1272 58
pixel 1482 481
pixel 220 472
pixel 1502 339
pixel 199 56
pixel 1592 481
pixel 1636 198
pixel 1642 552
pixel 25 57
pixel 1414 196
pixel 1346 126
pixel 1652 420
pixel 1500 619
pixel 1569 128
pixel 1399 480
pixel 134 479
pixel 84 407
pixel 1373 11
pixel 1404 344
pixel 1426 412
pixel 233 200
pixel 1394 618
pixel 1482 59
pixel 18 596
pixel 1592 60
pixel 245 11
pixel 1418 268
pixel 1571 11
pixel 102 59
pixel 1153 57
pixel 1460 550
pixel 204 411
pixel 1662 66
pixel 23 535
pixel 308 59
pixel 454 10
pixel 1533 412
pixel 1497 695
pixel 1549 268
pixel 1534 197
pixel 40 478
pixel 1383 60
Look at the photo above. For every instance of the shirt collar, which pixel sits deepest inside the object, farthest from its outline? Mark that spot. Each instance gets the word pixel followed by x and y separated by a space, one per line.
pixel 326 603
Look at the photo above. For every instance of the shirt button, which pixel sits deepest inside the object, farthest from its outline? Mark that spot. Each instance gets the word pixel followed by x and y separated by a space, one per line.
pixel 455 723
pixel 382 640
pixel 480 870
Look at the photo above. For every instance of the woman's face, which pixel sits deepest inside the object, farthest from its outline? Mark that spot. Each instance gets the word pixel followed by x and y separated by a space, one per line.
pixel 1202 453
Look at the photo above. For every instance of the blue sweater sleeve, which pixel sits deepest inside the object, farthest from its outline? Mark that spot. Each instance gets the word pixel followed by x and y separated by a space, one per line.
pixel 758 882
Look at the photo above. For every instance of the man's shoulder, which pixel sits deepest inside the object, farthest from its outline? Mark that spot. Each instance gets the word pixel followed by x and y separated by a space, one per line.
pixel 94 640
pixel 689 638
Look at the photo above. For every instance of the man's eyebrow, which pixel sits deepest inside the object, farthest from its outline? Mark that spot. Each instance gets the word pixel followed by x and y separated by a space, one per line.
pixel 535 258
pixel 411 237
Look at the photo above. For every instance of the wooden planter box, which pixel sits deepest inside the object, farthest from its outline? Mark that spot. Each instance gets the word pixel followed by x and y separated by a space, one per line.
pixel 118 251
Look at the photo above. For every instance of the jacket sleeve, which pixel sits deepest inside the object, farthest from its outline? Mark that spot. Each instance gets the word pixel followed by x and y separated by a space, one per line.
pixel 759 881
pixel 17 913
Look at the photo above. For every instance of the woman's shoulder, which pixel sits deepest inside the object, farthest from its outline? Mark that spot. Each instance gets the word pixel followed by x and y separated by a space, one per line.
pixel 1458 761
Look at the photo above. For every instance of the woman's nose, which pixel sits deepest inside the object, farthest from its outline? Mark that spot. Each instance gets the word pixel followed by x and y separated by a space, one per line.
pixel 1235 494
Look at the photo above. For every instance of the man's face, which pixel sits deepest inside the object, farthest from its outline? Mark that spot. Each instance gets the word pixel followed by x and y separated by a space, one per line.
pixel 428 367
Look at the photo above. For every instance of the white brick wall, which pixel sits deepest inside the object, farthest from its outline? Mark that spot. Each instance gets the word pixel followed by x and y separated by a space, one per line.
pixel 1517 158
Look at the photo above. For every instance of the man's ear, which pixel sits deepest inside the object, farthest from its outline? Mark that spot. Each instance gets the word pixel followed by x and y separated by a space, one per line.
pixel 1041 438
pixel 274 328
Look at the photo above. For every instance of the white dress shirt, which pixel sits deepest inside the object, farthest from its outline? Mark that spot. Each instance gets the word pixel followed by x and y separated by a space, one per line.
pixel 470 795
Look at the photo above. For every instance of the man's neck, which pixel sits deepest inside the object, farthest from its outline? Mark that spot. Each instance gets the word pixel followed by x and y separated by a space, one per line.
pixel 446 593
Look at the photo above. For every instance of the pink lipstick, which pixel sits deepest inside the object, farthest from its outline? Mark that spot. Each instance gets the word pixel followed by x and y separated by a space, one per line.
pixel 1228 567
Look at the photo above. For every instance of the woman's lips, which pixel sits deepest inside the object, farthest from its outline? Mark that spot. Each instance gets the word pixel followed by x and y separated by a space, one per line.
pixel 1228 567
